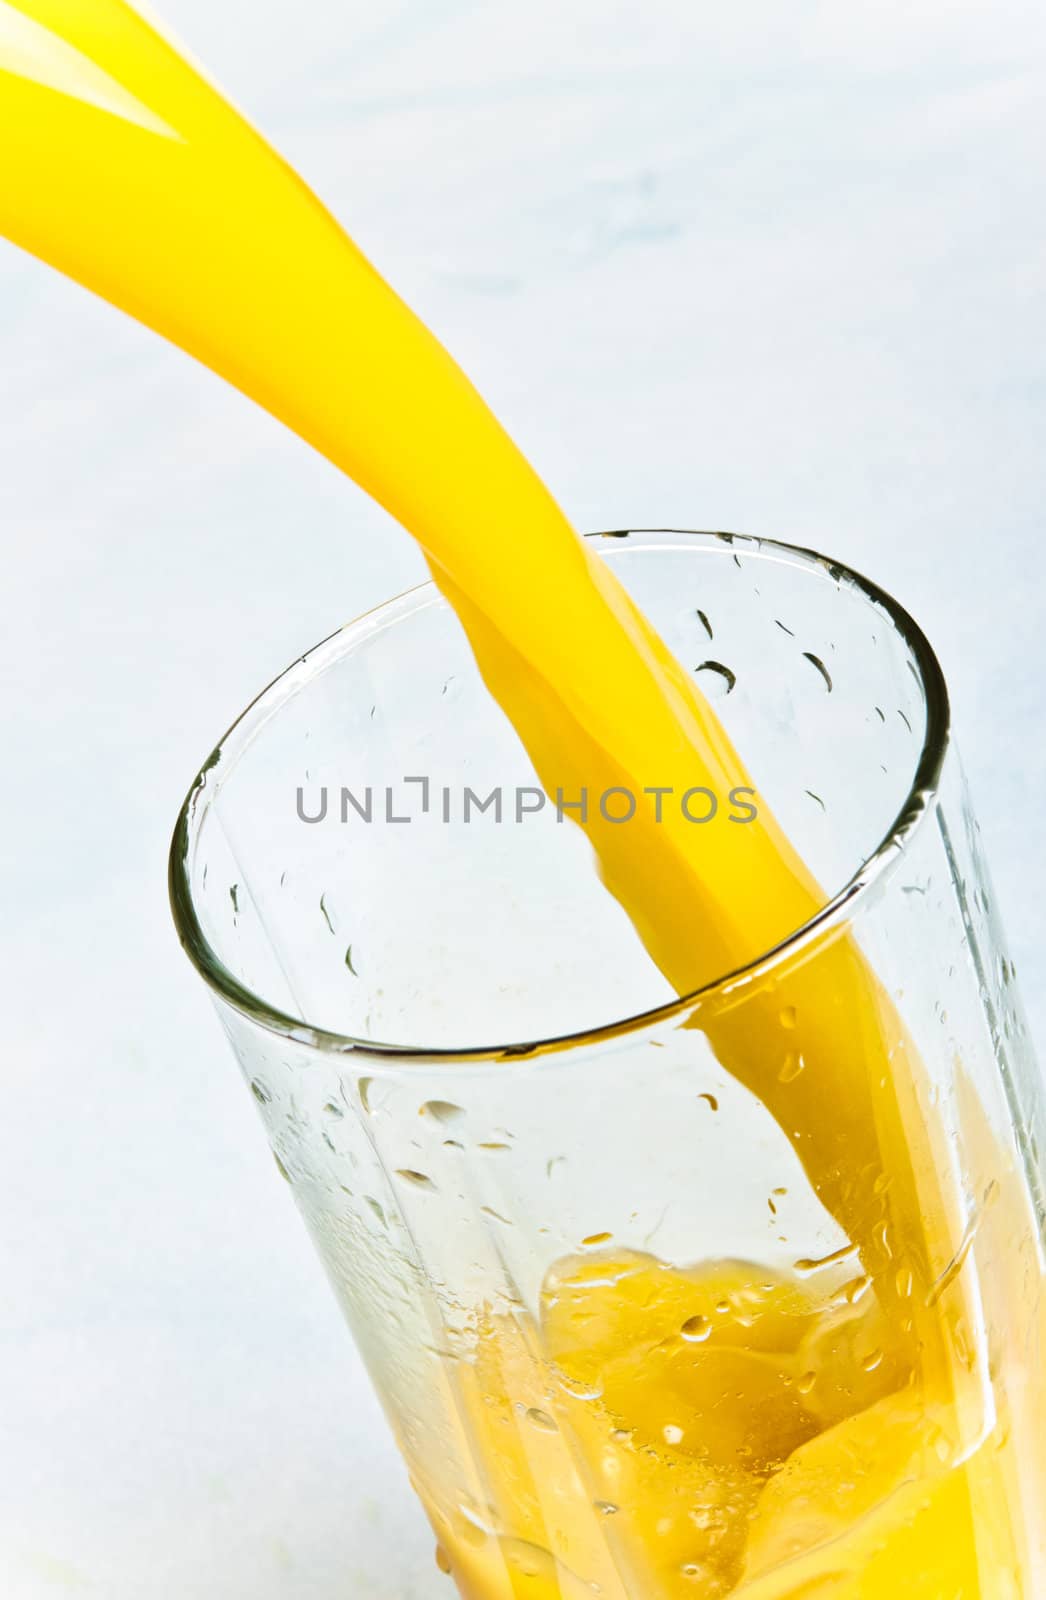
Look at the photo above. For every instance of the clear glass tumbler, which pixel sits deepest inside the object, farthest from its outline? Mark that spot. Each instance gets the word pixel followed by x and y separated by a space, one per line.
pixel 664 1299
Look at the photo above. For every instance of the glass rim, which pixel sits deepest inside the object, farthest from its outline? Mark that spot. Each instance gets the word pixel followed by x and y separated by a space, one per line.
pixel 921 794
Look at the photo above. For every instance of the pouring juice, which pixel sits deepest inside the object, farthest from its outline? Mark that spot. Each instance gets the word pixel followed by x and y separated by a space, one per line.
pixel 721 1427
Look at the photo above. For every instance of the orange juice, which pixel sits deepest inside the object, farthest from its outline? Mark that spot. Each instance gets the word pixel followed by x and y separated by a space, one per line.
pixel 744 1435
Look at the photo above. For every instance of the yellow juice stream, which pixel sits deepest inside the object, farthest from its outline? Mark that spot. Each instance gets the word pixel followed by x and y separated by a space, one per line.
pixel 749 1435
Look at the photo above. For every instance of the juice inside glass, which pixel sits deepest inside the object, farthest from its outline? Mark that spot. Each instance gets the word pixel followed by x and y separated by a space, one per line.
pixel 665 1299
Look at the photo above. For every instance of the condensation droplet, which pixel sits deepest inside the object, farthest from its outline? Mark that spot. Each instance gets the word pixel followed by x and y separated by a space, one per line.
pixel 711 1100
pixel 541 1420
pixel 333 1110
pixel 442 1111
pixel 806 1382
pixel 377 1208
pixel 488 1211
pixel 817 1263
pixel 705 623
pixel 788 1016
pixel 904 1282
pixel 577 1388
pixel 606 1508
pixel 871 1361
pixel 695 1330
pixel 672 1434
pixel 723 673
pixel 596 1238
pixel 819 666
pixel 363 1089
pixel 281 1169
pixel 443 1561
pixel 234 896
pixel 260 1092
pixel 420 1180
pixel 791 1067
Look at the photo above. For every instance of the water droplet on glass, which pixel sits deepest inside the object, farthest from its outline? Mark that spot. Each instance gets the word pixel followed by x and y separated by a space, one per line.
pixel 904 1282
pixel 348 961
pixel 363 1089
pixel 819 666
pixel 541 1420
pixel 488 1211
pixel 606 1508
pixel 705 623
pixel 791 1067
pixel 326 913
pixel 578 1388
pixel 442 1111
pixel 817 1263
pixel 871 1361
pixel 806 1382
pixel 596 1238
pixel 711 1100
pixel 443 1561
pixel 672 1434
pixel 333 1110
pixel 281 1169
pixel 789 1016
pixel 725 677
pixel 695 1330
pixel 378 1210
pixel 958 1261
pixel 420 1180
pixel 262 1094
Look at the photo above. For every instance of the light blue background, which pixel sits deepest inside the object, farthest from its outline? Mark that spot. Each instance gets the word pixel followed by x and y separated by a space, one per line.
pixel 777 268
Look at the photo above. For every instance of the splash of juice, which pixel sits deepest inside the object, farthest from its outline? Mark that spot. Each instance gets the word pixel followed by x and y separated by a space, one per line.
pixel 760 1460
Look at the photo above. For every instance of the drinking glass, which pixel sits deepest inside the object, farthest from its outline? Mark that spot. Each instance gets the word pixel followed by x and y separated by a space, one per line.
pixel 664 1298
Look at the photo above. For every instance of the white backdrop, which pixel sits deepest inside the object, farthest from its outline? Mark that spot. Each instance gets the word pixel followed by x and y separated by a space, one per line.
pixel 763 267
